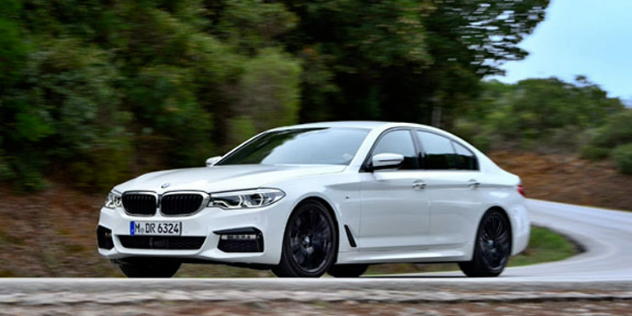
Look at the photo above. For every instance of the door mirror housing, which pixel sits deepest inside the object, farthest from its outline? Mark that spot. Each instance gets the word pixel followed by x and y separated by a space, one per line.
pixel 386 161
pixel 212 161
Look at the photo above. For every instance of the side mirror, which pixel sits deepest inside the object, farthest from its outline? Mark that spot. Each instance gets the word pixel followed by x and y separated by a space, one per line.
pixel 386 161
pixel 212 161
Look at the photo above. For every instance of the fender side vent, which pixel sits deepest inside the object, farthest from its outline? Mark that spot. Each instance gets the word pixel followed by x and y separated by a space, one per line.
pixel 350 237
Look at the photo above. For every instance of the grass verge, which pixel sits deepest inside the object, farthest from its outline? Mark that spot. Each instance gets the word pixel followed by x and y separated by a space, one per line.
pixel 545 246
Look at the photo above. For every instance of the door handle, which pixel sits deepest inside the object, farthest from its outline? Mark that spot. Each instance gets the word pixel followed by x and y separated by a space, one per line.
pixel 473 183
pixel 419 185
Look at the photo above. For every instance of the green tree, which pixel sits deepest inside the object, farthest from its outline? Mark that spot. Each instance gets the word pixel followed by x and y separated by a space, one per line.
pixel 269 90
pixel 403 60
pixel 13 48
pixel 348 46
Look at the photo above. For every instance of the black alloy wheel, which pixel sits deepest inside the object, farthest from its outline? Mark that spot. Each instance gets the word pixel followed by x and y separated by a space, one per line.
pixel 149 268
pixel 492 248
pixel 310 242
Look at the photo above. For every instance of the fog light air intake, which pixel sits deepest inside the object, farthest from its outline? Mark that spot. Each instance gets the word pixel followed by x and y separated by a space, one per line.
pixel 104 238
pixel 247 239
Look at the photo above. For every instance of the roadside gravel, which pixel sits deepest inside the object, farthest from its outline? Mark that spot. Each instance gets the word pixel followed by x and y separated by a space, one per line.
pixel 432 302
pixel 227 308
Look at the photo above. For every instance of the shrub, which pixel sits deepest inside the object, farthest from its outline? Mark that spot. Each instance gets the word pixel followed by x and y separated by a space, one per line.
pixel 482 141
pixel 473 133
pixel 564 139
pixel 623 157
pixel 64 118
pixel 616 131
pixel 594 153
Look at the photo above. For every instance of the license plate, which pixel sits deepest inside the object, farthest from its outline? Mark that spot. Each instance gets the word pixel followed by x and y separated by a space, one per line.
pixel 155 228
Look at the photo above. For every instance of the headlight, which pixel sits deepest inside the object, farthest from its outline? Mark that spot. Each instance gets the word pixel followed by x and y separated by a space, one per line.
pixel 113 200
pixel 246 198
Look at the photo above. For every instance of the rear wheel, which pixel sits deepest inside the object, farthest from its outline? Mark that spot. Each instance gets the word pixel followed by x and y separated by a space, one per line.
pixel 492 248
pixel 309 243
pixel 348 270
pixel 149 268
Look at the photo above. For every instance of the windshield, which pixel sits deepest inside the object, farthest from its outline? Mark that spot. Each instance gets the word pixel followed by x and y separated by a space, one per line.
pixel 319 146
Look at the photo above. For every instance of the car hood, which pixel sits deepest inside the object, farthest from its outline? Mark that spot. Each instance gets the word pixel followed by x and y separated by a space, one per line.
pixel 222 178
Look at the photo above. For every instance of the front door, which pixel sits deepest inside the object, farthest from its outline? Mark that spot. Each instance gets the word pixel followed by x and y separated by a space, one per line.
pixel 395 210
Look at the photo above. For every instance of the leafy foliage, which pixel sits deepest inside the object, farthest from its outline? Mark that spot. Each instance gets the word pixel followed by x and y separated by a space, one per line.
pixel 534 113
pixel 66 112
pixel 617 131
pixel 13 49
pixel 468 40
pixel 615 134
pixel 484 33
pixel 96 91
pixel 113 87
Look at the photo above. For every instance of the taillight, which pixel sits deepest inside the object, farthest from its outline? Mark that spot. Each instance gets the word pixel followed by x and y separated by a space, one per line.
pixel 521 190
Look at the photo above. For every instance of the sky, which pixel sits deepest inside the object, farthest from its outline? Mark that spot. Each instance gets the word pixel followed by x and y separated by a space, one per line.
pixel 581 37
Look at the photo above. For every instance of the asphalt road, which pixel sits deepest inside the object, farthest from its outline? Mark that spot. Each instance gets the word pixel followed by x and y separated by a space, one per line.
pixel 604 266
pixel 605 235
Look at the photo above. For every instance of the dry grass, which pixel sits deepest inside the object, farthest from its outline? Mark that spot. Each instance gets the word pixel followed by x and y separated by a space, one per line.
pixel 568 179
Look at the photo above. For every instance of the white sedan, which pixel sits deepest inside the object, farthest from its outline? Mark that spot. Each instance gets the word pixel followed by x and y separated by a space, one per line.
pixel 325 197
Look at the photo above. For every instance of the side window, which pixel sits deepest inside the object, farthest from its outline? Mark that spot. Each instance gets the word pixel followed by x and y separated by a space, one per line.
pixel 439 154
pixel 465 158
pixel 398 142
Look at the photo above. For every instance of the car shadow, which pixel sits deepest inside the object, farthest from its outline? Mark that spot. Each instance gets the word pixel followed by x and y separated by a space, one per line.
pixel 420 276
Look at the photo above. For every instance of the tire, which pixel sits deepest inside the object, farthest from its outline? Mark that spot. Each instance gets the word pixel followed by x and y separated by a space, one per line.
pixel 310 242
pixel 149 268
pixel 348 270
pixel 492 246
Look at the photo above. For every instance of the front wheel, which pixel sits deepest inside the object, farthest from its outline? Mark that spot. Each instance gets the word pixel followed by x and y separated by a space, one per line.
pixel 149 268
pixel 309 243
pixel 492 247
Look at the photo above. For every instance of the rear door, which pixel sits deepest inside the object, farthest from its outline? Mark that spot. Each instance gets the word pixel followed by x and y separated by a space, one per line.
pixel 453 188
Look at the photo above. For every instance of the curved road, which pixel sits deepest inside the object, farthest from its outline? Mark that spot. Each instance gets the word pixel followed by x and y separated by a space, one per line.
pixel 605 265
pixel 605 235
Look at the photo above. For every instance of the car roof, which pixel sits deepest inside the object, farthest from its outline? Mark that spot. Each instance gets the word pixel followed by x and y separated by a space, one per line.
pixel 350 124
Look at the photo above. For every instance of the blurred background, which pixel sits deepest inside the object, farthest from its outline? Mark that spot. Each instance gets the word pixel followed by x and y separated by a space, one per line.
pixel 95 92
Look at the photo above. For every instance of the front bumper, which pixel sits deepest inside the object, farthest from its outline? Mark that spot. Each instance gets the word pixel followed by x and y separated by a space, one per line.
pixel 201 237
